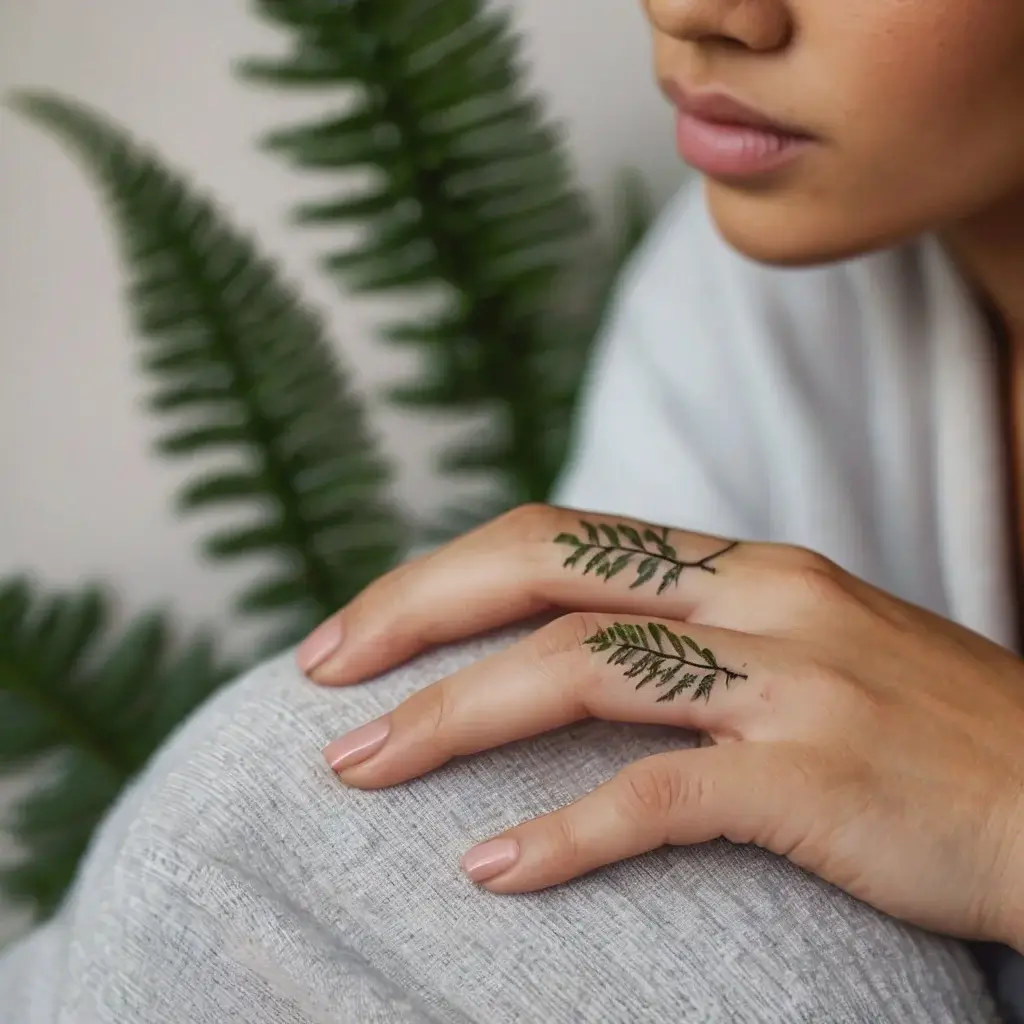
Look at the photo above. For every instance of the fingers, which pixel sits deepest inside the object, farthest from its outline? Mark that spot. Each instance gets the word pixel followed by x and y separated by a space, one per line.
pixel 579 666
pixel 530 561
pixel 681 798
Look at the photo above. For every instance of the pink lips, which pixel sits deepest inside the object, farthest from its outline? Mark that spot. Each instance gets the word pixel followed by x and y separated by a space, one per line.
pixel 721 137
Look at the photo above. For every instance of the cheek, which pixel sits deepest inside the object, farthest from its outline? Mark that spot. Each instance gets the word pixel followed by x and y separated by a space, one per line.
pixel 916 81
pixel 920 101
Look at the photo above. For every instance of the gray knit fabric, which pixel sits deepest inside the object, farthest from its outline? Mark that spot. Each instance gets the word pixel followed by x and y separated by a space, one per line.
pixel 239 881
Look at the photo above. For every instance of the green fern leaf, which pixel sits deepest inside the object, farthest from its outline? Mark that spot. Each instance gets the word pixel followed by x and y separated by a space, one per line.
pixel 269 595
pixel 373 204
pixel 229 345
pixel 222 488
pixel 83 711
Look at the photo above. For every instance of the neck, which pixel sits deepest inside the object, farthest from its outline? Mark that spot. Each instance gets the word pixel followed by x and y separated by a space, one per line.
pixel 988 248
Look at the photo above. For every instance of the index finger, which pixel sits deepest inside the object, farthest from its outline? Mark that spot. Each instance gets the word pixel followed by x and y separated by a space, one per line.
pixel 533 560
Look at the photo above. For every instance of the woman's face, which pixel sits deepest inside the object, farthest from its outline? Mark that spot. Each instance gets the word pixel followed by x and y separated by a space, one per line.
pixel 916 109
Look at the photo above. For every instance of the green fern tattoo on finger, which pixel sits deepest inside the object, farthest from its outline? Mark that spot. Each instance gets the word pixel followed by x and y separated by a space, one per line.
pixel 666 659
pixel 607 551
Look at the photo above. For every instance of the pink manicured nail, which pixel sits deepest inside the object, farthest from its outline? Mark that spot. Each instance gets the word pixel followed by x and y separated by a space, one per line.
pixel 319 645
pixel 488 860
pixel 356 746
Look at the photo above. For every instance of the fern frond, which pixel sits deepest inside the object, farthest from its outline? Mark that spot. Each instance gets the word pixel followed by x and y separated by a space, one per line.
pixel 88 708
pixel 471 190
pixel 240 364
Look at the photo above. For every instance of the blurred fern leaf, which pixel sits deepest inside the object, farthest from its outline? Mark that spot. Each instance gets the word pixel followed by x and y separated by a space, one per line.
pixel 470 192
pixel 88 708
pixel 242 368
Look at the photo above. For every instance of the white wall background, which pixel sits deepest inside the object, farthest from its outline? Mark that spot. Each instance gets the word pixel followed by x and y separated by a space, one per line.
pixel 80 494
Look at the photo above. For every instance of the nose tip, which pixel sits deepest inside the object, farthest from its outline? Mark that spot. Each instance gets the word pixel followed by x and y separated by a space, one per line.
pixel 760 25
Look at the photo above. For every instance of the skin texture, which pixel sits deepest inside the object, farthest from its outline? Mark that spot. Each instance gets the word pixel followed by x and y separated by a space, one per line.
pixel 917 103
pixel 869 741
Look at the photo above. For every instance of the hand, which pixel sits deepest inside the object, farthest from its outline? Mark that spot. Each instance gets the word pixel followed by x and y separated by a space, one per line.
pixel 873 743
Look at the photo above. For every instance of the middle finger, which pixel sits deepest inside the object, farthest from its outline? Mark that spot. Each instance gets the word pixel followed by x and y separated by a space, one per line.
pixel 580 666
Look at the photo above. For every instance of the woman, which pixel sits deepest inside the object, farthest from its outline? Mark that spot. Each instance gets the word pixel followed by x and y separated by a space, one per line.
pixel 801 541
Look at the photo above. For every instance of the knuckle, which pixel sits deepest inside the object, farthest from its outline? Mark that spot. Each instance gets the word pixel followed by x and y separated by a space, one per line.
pixel 394 588
pixel 559 650
pixel 821 673
pixel 808 579
pixel 565 840
pixel 438 711
pixel 530 521
pixel 580 627
pixel 385 600
pixel 653 789
pixel 399 586
pixel 568 633
pixel 802 562
pixel 844 698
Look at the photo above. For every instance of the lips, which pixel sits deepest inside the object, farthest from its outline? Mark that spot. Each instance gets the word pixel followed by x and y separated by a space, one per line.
pixel 718 108
pixel 722 137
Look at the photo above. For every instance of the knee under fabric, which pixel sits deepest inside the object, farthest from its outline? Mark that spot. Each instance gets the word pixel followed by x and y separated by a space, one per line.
pixel 238 880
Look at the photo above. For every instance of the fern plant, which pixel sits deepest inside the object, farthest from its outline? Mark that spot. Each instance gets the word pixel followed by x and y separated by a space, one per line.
pixel 88 708
pixel 471 194
pixel 241 368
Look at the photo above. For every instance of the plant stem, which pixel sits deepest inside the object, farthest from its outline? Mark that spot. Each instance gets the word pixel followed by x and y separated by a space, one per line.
pixel 488 320
pixel 274 468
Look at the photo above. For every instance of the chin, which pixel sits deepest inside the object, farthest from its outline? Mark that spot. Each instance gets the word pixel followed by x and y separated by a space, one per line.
pixel 787 230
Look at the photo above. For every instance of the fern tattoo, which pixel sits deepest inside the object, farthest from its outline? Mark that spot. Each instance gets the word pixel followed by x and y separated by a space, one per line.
pixel 657 655
pixel 609 550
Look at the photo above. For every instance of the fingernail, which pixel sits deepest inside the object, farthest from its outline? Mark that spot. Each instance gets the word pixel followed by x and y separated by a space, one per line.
pixel 488 860
pixel 319 645
pixel 358 745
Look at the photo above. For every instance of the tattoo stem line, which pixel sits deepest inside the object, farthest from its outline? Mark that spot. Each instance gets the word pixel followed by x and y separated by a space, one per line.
pixel 703 564
pixel 655 552
pixel 644 652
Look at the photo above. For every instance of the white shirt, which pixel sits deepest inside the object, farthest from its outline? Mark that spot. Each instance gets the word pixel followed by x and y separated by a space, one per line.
pixel 852 409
